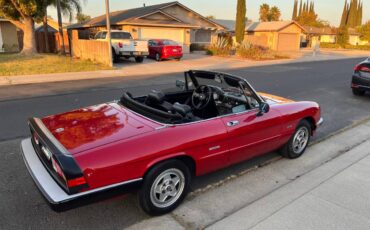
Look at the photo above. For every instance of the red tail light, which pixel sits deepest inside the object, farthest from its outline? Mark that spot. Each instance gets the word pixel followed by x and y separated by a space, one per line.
pixel 76 182
pixel 120 45
pixel 357 68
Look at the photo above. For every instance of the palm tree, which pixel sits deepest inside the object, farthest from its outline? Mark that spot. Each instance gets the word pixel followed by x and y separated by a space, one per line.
pixel 67 8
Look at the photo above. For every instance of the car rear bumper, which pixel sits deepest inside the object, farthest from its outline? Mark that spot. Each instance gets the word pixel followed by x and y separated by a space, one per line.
pixel 133 53
pixel 360 82
pixel 55 195
pixel 172 56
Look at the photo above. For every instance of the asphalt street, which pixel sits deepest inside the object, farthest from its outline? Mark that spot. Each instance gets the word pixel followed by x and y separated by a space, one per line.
pixel 21 207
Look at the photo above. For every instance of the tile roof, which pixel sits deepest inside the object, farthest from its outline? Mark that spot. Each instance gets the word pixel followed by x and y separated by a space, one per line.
pixel 320 31
pixel 269 26
pixel 121 15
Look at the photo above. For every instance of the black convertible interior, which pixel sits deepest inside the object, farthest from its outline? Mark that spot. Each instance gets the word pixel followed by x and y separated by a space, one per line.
pixel 204 95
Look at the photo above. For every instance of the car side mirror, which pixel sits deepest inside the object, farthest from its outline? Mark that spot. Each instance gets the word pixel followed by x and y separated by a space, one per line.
pixel 263 108
pixel 180 84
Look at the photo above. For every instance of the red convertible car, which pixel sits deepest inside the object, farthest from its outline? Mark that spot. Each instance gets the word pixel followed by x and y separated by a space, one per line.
pixel 157 143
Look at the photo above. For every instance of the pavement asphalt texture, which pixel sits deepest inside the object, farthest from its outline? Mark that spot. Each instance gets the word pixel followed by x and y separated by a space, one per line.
pixel 21 207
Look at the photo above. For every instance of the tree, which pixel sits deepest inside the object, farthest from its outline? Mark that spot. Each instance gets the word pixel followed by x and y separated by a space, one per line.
pixel 264 12
pixel 240 21
pixel 275 14
pixel 295 10
pixel 364 30
pixel 343 21
pixel 67 8
pixel 342 36
pixel 268 14
pixel 23 13
pixel 352 14
pixel 80 17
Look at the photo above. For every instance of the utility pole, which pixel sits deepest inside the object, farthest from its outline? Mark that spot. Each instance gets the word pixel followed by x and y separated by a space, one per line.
pixel 60 25
pixel 108 33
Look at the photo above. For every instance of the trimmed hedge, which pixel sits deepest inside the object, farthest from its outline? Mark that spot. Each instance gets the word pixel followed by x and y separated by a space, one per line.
pixel 329 45
pixel 363 47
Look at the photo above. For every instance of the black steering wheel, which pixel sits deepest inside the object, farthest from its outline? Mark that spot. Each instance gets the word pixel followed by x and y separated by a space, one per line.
pixel 201 97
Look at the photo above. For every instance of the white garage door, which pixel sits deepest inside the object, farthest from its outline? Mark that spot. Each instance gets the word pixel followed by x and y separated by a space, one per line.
pixel 162 33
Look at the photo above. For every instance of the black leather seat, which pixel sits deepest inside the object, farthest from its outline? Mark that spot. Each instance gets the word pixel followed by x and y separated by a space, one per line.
pixel 185 111
pixel 156 99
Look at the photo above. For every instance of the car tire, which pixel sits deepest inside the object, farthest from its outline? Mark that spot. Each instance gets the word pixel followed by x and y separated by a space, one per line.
pixel 165 187
pixel 158 57
pixel 139 59
pixel 114 56
pixel 178 59
pixel 299 141
pixel 358 92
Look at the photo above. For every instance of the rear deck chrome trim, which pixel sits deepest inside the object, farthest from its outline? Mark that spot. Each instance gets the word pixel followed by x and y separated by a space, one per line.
pixel 47 185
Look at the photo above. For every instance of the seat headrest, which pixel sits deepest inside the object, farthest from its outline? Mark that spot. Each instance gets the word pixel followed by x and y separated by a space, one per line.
pixel 183 110
pixel 156 97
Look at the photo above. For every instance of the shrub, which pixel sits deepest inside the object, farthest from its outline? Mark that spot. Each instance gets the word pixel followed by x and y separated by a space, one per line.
pixel 254 52
pixel 359 47
pixel 329 45
pixel 219 48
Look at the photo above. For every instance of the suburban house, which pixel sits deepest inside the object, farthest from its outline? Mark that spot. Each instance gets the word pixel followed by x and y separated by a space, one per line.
pixel 8 36
pixel 354 38
pixel 170 20
pixel 313 35
pixel 277 35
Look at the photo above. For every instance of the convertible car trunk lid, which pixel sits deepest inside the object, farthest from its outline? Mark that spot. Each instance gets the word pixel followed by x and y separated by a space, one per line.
pixel 94 126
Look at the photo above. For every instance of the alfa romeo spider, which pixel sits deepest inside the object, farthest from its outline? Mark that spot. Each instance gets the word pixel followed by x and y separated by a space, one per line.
pixel 157 143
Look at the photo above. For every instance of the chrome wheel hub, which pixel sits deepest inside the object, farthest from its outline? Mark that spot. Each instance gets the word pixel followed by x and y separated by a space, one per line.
pixel 300 140
pixel 167 188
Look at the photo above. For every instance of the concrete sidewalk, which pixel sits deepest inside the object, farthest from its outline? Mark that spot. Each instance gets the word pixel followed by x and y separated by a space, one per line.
pixel 327 188
pixel 190 61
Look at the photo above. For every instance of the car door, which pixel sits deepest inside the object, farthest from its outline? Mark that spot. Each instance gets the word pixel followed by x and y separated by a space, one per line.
pixel 250 134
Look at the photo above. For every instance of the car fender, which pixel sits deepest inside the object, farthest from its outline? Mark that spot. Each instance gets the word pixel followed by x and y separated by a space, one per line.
pixel 158 160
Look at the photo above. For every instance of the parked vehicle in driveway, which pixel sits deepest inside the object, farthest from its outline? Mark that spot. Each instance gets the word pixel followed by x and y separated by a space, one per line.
pixel 160 49
pixel 124 46
pixel 159 142
pixel 361 78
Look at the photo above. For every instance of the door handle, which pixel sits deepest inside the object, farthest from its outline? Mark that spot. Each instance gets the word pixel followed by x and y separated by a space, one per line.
pixel 232 123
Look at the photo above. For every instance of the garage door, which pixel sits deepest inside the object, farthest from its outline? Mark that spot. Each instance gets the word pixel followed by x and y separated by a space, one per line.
pixel 288 42
pixel 162 33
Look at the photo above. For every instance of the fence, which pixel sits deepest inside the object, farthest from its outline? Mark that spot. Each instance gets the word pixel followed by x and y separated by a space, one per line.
pixel 55 43
pixel 96 51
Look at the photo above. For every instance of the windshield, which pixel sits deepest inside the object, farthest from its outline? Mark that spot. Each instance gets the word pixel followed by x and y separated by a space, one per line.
pixel 225 82
pixel 169 43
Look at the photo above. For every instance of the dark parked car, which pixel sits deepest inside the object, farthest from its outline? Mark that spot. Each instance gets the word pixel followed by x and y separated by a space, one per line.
pixel 160 49
pixel 361 78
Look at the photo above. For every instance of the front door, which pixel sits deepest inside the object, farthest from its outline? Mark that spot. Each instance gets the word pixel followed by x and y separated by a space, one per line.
pixel 250 135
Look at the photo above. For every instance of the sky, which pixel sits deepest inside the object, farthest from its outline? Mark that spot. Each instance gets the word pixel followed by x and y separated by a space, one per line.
pixel 328 10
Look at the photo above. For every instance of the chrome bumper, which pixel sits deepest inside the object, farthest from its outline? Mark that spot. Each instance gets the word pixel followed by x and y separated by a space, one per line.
pixel 320 122
pixel 54 194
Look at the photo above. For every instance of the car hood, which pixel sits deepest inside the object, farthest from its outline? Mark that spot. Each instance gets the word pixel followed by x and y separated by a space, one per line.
pixel 94 126
pixel 273 99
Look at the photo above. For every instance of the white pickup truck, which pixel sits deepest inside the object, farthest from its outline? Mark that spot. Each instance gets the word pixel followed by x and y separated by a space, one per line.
pixel 124 46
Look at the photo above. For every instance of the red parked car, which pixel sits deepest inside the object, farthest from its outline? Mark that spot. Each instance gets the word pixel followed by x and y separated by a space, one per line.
pixel 160 49
pixel 160 141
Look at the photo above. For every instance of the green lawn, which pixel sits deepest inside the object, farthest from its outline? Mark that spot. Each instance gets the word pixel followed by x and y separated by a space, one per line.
pixel 18 64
